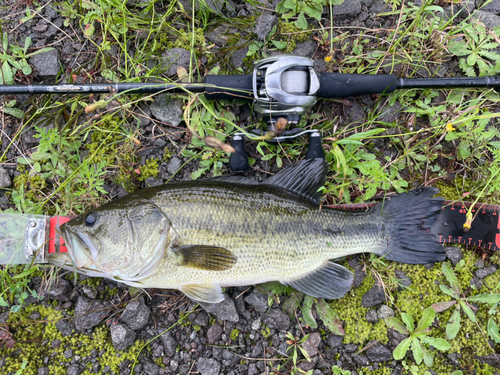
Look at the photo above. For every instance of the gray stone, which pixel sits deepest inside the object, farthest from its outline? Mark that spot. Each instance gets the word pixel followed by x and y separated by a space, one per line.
pixel 136 315
pixel 175 58
pixel 257 324
pixel 347 9
pixel 237 57
pixel 229 359
pixel 388 113
pixel 384 311
pixel 59 290
pixel 121 336
pixel 258 301
pixel 150 368
pixel 462 9
pixel 225 310
pixel 89 313
pixel 395 337
pixel 492 7
pixel 312 343
pixel 378 353
pixel 74 370
pixel 379 6
pixel 5 180
pixel 371 316
pixel 89 291
pixel 308 365
pixel 490 20
pixel 375 296
pixel 335 341
pixel 361 359
pixel 483 272
pixel 265 22
pixel 46 64
pixel 174 165
pixel 68 353
pixel 208 366
pixel 201 319
pixel 214 334
pixel 305 49
pixel 479 263
pixel 454 254
pixel 222 8
pixel 43 371
pixel 169 344
pixel 153 181
pixel 220 35
pixel 359 276
pixel 66 327
pixel 277 319
pixel 403 280
pixel 143 116
pixel 167 110
pixel 257 350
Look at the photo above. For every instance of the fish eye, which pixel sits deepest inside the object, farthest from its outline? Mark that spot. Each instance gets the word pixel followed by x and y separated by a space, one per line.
pixel 90 219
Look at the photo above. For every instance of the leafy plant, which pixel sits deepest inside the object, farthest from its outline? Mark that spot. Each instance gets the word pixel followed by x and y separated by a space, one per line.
pixel 15 288
pixel 14 58
pixel 478 45
pixel 9 109
pixel 295 345
pixel 338 371
pixel 461 303
pixel 419 337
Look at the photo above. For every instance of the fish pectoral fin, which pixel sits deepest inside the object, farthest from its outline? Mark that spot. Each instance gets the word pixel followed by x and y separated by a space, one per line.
pixel 208 258
pixel 210 293
pixel 331 281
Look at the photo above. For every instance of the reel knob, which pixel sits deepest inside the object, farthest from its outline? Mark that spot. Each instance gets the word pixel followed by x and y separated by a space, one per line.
pixel 315 150
pixel 238 161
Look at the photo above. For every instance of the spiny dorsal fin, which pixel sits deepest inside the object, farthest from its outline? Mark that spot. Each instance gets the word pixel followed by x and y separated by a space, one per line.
pixel 331 281
pixel 304 178
pixel 209 258
pixel 235 180
pixel 209 293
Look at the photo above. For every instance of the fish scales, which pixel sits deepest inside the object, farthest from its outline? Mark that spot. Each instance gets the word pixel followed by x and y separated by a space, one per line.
pixel 273 236
pixel 200 235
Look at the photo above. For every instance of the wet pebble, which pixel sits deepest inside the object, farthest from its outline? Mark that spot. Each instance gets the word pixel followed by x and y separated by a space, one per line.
pixel 225 310
pixel 277 319
pixel 214 334
pixel 257 300
pixel 375 296
pixel 454 254
pixel 122 336
pixel 136 315
pixel 208 366
pixel 483 272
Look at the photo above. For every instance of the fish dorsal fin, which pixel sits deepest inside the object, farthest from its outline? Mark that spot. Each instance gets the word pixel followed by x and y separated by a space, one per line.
pixel 304 178
pixel 235 180
pixel 209 258
pixel 209 293
pixel 331 281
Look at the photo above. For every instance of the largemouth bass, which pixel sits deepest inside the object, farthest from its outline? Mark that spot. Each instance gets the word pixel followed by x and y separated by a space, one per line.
pixel 198 236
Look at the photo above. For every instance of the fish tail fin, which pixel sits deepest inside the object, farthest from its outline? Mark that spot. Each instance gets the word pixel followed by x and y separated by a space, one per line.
pixel 408 219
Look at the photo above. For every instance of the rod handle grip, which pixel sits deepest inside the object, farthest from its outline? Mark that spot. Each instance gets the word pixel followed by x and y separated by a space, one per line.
pixel 229 87
pixel 339 85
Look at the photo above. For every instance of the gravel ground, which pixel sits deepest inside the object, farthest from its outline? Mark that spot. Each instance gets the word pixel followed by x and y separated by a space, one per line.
pixel 247 331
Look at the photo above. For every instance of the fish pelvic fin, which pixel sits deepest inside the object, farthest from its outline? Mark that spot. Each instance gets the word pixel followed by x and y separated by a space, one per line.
pixel 209 293
pixel 304 178
pixel 408 219
pixel 330 281
pixel 208 258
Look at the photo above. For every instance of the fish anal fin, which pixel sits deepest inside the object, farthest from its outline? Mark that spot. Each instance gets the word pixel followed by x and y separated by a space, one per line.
pixel 209 293
pixel 208 258
pixel 331 281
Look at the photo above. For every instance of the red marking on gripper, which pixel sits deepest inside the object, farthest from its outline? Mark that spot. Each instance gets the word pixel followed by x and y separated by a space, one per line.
pixel 459 239
pixel 490 244
pixel 497 240
pixel 470 239
pixel 440 238
pixel 480 242
pixel 54 238
pixel 449 238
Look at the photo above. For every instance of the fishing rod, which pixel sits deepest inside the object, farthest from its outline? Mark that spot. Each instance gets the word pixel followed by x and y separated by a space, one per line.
pixel 283 86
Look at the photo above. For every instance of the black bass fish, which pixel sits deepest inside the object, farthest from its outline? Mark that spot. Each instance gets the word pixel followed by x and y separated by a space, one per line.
pixel 198 236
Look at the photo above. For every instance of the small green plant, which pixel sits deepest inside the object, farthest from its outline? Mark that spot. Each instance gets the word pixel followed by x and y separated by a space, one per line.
pixel 338 371
pixel 461 302
pixel 477 45
pixel 15 288
pixel 418 337
pixel 14 58
pixel 8 109
pixel 311 8
pixel 295 345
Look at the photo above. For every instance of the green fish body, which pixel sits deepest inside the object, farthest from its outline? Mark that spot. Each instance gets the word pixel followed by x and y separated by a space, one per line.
pixel 201 235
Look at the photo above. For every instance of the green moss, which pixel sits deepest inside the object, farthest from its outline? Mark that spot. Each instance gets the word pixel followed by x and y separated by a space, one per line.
pixel 107 146
pixel 358 330
pixel 265 331
pixel 196 328
pixel 150 169
pixel 31 184
pixel 234 334
pixel 91 281
pixel 166 154
pixel 293 39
